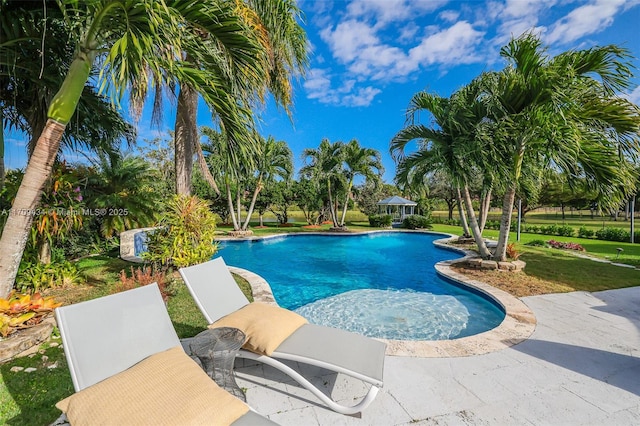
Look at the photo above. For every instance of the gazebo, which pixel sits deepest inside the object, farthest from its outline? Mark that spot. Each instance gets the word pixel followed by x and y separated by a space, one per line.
pixel 397 207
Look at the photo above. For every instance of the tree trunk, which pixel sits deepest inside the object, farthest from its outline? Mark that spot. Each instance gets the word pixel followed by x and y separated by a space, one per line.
pixel 44 252
pixel 236 227
pixel 463 217
pixel 346 204
pixel 206 173
pixel 238 207
pixel 475 229
pixel 484 209
pixel 253 203
pixel 332 209
pixel 185 138
pixel 505 224
pixel 16 229
pixel 2 171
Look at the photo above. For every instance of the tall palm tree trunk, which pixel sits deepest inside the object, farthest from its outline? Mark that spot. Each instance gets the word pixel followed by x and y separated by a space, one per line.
pixel 332 207
pixel 485 205
pixel 252 206
pixel 206 173
pixel 505 223
pixel 473 222
pixel 346 204
pixel 186 129
pixel 232 212
pixel 463 216
pixel 16 230
pixel 2 171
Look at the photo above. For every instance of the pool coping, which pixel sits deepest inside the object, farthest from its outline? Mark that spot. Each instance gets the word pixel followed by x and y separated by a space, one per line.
pixel 518 324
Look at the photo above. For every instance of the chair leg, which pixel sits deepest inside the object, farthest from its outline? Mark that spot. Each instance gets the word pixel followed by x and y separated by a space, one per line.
pixel 338 408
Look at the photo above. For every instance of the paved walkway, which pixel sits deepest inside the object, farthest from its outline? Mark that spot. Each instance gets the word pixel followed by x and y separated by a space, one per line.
pixel 581 366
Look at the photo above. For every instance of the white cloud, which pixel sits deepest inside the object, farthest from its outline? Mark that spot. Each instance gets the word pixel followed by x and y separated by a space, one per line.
pixel 584 20
pixel 449 15
pixel 319 86
pixel 363 97
pixel 454 45
pixel 385 11
pixel 348 38
pixel 634 96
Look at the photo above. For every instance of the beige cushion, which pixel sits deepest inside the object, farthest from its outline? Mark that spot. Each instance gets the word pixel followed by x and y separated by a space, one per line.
pixel 266 326
pixel 167 388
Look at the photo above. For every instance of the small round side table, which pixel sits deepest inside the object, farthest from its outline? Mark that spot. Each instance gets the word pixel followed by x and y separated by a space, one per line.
pixel 216 348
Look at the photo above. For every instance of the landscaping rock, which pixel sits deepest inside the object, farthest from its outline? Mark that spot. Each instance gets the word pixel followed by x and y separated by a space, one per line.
pixel 25 340
pixel 30 370
pixel 16 369
pixel 489 264
pixel 519 264
pixel 506 266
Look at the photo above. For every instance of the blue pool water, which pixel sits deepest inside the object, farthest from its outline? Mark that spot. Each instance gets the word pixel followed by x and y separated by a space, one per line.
pixel 381 285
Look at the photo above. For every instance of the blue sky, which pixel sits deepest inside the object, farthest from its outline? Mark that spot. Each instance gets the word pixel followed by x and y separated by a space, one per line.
pixel 370 56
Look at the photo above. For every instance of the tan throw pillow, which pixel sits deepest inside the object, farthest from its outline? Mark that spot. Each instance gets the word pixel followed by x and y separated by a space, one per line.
pixel 167 388
pixel 266 326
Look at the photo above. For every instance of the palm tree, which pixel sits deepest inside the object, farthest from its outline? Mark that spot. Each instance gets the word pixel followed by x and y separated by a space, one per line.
pixel 143 40
pixel 121 187
pixel 29 78
pixel 449 147
pixel 279 54
pixel 275 160
pixel 325 168
pixel 358 161
pixel 555 110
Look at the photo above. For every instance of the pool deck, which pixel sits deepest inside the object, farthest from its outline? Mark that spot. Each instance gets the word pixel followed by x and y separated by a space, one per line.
pixel 581 366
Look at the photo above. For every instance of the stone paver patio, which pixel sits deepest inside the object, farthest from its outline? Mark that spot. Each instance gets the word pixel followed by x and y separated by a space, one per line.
pixel 581 366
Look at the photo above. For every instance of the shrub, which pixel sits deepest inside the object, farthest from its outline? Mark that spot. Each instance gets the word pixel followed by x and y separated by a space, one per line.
pixel 564 231
pixel 536 243
pixel 567 246
pixel 23 310
pixel 416 222
pixel 613 234
pixel 585 232
pixel 549 230
pixel 186 234
pixel 380 220
pixel 533 229
pixel 492 224
pixel 33 277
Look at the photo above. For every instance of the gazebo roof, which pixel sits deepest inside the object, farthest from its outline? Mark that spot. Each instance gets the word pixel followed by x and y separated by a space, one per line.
pixel 396 201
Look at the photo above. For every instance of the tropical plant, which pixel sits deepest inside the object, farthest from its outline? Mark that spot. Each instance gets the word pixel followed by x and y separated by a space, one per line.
pixel 36 276
pixel 264 51
pixel 358 161
pixel 120 193
pixel 380 220
pixel 24 310
pixel 561 111
pixel 142 276
pixel 450 147
pixel 185 235
pixel 416 222
pixel 138 43
pixel 325 169
pixel 274 161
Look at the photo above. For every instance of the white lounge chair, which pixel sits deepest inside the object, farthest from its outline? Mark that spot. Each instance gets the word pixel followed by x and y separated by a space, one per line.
pixel 107 337
pixel 217 295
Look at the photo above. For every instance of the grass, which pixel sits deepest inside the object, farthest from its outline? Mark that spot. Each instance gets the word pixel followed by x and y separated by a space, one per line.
pixel 29 398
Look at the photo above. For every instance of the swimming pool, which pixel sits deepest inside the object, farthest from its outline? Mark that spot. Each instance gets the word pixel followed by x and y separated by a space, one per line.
pixel 378 284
